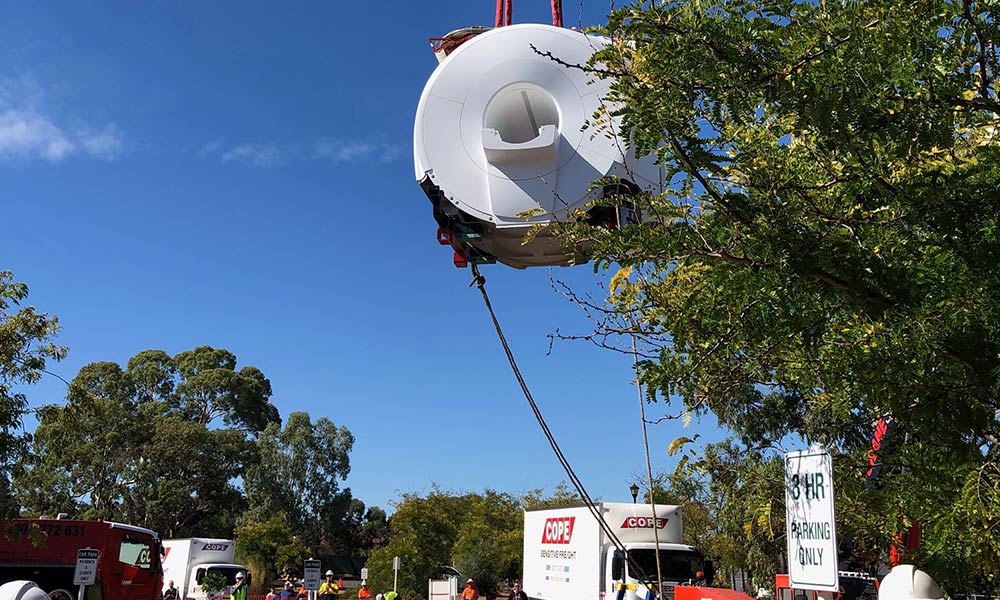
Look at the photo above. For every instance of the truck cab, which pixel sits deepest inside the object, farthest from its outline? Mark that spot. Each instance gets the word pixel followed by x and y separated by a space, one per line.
pixel 187 562
pixel 569 554
pixel 228 571
pixel 679 565
pixel 45 551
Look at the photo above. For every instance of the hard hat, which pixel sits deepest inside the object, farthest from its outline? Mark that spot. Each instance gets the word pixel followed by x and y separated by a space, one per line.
pixel 328 573
pixel 469 580
pixel 239 575
pixel 905 582
pixel 22 590
pixel 378 596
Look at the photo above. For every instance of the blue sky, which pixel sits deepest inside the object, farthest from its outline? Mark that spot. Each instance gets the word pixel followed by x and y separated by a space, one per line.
pixel 239 174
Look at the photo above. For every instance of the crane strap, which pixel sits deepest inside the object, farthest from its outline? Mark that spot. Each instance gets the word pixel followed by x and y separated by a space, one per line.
pixel 505 13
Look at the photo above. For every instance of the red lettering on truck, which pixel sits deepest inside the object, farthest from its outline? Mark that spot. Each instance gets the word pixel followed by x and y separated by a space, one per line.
pixel 558 530
pixel 642 523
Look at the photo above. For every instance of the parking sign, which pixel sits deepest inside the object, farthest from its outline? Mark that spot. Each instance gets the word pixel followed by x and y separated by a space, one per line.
pixel 310 574
pixel 810 523
pixel 85 572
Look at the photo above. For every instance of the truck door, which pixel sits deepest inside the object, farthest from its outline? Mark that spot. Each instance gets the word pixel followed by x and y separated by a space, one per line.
pixel 614 574
pixel 137 561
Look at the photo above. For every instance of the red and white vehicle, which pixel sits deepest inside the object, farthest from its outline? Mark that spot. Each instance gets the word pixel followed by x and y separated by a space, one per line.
pixel 44 551
pixel 568 557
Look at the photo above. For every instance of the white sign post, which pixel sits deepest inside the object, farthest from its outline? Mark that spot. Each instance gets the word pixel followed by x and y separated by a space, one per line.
pixel 810 525
pixel 85 572
pixel 310 574
pixel 364 573
pixel 395 571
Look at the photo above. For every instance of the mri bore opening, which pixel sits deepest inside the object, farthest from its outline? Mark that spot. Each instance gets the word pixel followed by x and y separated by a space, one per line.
pixel 518 111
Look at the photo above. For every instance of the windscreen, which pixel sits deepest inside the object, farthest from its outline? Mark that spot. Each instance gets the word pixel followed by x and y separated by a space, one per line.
pixel 228 572
pixel 677 565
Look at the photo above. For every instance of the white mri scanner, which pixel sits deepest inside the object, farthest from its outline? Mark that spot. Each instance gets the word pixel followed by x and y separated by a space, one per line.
pixel 500 144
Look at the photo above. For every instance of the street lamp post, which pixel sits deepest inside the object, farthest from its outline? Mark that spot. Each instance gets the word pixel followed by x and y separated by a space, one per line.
pixel 635 491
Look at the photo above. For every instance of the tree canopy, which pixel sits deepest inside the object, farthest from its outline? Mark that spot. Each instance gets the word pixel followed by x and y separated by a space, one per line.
pixel 267 548
pixel 827 252
pixel 135 444
pixel 478 534
pixel 297 473
pixel 26 345
pixel 191 446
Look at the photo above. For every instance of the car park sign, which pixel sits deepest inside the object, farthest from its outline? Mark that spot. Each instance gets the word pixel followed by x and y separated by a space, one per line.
pixel 310 574
pixel 85 572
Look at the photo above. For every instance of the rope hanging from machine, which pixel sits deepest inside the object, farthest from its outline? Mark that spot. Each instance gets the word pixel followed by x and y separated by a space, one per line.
pixel 505 13
pixel 479 281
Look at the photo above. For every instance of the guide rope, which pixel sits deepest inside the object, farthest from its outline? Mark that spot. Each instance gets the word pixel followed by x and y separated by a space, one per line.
pixel 479 281
pixel 649 466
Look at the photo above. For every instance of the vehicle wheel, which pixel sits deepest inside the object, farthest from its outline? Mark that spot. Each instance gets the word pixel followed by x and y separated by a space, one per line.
pixel 61 594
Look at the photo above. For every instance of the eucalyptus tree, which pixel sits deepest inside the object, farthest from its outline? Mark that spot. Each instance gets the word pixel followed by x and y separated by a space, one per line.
pixel 298 472
pixel 162 442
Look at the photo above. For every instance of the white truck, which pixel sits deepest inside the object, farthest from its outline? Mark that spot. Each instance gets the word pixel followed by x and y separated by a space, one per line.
pixel 568 557
pixel 187 561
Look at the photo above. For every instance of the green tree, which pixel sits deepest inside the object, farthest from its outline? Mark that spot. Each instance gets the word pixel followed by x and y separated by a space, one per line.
pixel 692 494
pixel 747 499
pixel 298 473
pixel 129 446
pixel 827 253
pixel 91 444
pixel 561 496
pixel 423 533
pixel 188 486
pixel 480 534
pixel 489 546
pixel 210 387
pixel 373 531
pixel 267 547
pixel 26 345
pixel 352 528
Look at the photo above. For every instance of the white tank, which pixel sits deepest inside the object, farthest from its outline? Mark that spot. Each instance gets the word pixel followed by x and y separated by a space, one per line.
pixel 22 590
pixel 906 582
pixel 499 134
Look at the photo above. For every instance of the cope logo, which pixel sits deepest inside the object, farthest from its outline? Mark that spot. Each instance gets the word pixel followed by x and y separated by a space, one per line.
pixel 216 547
pixel 143 559
pixel 642 523
pixel 558 530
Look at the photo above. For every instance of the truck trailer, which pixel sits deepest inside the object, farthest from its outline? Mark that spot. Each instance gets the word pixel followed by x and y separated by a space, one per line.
pixel 567 556
pixel 44 551
pixel 187 561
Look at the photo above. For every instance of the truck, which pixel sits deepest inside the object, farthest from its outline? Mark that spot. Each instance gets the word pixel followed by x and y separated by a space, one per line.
pixel 44 551
pixel 187 561
pixel 567 556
